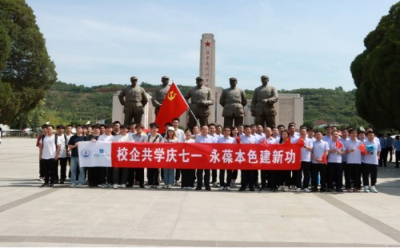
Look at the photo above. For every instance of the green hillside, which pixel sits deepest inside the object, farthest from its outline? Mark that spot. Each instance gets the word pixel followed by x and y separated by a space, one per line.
pixel 70 103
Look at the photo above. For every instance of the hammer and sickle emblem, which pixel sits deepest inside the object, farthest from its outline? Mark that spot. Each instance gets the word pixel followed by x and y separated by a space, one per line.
pixel 171 95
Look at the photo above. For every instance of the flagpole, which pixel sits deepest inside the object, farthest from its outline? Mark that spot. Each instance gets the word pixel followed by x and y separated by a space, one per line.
pixel 197 120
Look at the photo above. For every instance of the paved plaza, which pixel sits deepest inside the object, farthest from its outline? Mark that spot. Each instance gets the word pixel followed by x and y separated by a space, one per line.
pixel 63 216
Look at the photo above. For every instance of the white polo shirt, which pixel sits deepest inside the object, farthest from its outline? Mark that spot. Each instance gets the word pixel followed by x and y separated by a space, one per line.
pixel 372 152
pixel 305 154
pixel 49 148
pixel 319 148
pixel 353 157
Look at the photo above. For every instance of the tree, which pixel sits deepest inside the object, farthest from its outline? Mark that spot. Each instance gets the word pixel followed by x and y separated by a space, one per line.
pixel 26 71
pixel 376 73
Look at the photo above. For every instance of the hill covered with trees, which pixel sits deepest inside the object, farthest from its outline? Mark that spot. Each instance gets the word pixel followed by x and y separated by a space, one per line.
pixel 70 103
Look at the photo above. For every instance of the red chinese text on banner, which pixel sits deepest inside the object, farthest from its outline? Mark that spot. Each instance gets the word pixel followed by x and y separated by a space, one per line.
pixel 172 106
pixel 206 156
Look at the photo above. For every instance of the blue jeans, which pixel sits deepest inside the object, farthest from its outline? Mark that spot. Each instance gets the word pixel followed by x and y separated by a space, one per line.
pixel 74 168
pixel 168 176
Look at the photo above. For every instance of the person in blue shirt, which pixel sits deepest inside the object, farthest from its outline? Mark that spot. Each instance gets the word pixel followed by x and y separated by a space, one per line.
pixel 370 163
pixel 397 147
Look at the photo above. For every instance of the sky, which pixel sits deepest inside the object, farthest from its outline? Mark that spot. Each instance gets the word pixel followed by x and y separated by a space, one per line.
pixel 298 44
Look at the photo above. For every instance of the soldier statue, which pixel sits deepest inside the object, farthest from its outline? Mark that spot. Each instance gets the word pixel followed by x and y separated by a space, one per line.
pixel 201 99
pixel 262 104
pixel 134 102
pixel 160 93
pixel 233 101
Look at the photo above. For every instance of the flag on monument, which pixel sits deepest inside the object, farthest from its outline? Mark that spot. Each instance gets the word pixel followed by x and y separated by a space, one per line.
pixel 173 106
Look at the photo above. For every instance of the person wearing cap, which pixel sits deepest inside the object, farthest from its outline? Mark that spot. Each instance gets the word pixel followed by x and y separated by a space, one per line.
pixel 262 104
pixel 170 137
pixel 134 102
pixel 160 93
pixel 233 101
pixel 201 100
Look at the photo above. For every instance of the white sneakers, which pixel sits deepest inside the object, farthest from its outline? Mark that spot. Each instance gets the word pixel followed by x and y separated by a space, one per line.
pixel 115 186
pixel 307 190
pixel 298 190
pixel 221 188
pixel 228 188
pixel 285 188
pixel 374 190
pixel 123 185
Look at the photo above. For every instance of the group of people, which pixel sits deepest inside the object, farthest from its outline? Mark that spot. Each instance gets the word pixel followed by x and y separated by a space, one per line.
pixel 325 159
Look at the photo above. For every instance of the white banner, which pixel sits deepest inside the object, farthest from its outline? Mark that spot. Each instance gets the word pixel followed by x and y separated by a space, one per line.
pixel 94 154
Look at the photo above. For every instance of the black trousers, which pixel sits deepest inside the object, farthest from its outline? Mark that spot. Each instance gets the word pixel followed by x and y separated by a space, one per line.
pixel 296 178
pixel 235 174
pixel 199 176
pixel 152 176
pixel 389 153
pixel 93 176
pixel 213 176
pixel 41 168
pixel 305 169
pixel 272 179
pixel 139 175
pixel 177 174
pixel 321 168
pixel 188 176
pixel 109 172
pixel 353 175
pixel 120 175
pixel 367 170
pixel 102 175
pixel 264 176
pixel 383 157
pixel 282 177
pixel 63 169
pixel 397 158
pixel 49 170
pixel 248 178
pixel 335 175
pixel 222 182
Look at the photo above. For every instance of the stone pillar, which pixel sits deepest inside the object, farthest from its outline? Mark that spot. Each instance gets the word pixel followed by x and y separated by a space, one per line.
pixel 207 69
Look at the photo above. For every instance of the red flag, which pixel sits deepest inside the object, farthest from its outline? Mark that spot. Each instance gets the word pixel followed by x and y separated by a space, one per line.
pixel 324 161
pixel 264 142
pixel 339 144
pixel 173 106
pixel 363 149
pixel 300 142
pixel 238 139
pixel 287 141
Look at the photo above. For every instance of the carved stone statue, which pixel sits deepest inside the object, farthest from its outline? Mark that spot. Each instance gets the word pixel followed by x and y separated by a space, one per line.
pixel 201 99
pixel 233 100
pixel 262 104
pixel 134 102
pixel 160 93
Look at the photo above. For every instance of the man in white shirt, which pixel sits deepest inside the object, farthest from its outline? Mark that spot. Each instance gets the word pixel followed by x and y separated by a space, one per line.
pixel 305 162
pixel 106 137
pixel 371 162
pixel 319 152
pixel 328 134
pixel 49 150
pixel 138 137
pixel 203 138
pixel 181 139
pixel 248 176
pixel 212 132
pixel 335 166
pixel 62 159
pixel 268 139
pixel 226 139
pixel 120 175
pixel 353 162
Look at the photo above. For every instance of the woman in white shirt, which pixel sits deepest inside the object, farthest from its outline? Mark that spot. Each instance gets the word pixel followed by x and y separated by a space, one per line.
pixel 170 137
pixel 121 173
pixel 153 173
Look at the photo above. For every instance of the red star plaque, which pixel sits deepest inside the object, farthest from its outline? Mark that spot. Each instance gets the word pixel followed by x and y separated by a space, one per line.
pixel 207 44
